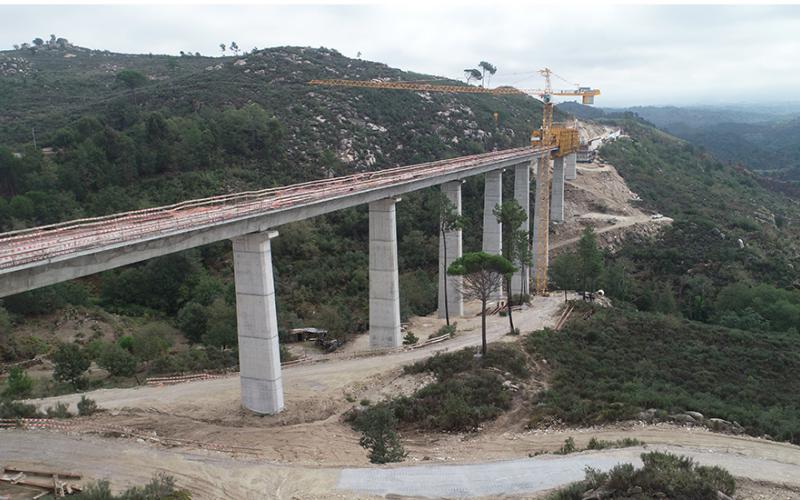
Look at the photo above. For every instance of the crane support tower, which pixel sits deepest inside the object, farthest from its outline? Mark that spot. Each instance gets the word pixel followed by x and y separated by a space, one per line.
pixel 561 139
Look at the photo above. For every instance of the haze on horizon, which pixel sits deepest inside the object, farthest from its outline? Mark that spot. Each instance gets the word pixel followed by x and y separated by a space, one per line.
pixel 636 55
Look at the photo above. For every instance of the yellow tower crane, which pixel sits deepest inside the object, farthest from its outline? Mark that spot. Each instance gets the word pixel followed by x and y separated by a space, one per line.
pixel 561 140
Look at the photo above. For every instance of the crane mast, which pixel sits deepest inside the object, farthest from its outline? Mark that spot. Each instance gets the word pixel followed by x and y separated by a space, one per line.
pixel 560 139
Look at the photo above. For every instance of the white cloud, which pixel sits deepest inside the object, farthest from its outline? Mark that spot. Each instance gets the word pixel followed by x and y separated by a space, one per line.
pixel 634 54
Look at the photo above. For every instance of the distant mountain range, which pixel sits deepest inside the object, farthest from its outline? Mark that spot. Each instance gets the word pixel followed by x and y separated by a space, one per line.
pixel 764 138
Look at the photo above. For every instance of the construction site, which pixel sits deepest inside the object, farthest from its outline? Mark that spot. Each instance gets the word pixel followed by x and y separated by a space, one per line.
pixel 284 428
pixel 194 429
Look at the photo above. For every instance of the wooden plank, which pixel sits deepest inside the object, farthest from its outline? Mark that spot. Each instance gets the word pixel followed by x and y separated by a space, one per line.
pixel 68 475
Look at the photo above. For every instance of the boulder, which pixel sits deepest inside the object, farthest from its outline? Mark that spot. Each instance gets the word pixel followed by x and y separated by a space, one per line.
pixel 696 415
pixel 682 418
pixel 719 425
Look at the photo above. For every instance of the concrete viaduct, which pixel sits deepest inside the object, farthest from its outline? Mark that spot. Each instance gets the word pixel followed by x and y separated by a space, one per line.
pixel 41 256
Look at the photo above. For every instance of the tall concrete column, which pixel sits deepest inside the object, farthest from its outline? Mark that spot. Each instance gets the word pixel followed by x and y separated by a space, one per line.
pixel 492 229
pixel 522 193
pixel 257 324
pixel 571 167
pixel 541 233
pixel 557 192
pixel 447 255
pixel 384 286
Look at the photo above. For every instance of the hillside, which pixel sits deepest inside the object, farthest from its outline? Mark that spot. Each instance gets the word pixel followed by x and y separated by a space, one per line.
pixel 763 139
pixel 700 311
pixel 212 125
pixel 55 90
pixel 199 126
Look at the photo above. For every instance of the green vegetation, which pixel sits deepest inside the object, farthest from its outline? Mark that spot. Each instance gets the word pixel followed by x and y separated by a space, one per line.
pixel 662 475
pixel 446 330
pixel 161 487
pixel 60 410
pixel 514 221
pixel 583 269
pixel 410 339
pixel 568 447
pixel 70 363
pixel 468 391
pixel 618 363
pixel 16 409
pixel 196 127
pixel 449 220
pixel 18 384
pixel 86 406
pixel 597 444
pixel 698 268
pixel 378 434
pixel 482 275
pixel 601 444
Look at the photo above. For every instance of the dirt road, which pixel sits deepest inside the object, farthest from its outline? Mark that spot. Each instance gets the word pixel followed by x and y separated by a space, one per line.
pixel 309 431
pixel 215 475
pixel 539 474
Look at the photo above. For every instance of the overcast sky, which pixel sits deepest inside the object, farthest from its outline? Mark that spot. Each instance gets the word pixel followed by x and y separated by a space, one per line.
pixel 635 54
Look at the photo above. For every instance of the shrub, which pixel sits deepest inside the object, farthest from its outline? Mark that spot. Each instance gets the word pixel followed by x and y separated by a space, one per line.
pixel 617 363
pixel 95 348
pixel 445 365
pixel 506 357
pixel 444 330
pixel 455 404
pixel 86 406
pixel 600 444
pixel 192 320
pixel 126 342
pixel 70 363
pixel 151 341
pixel 194 360
pixel 285 353
pixel 60 410
pixel 161 487
pixel 18 384
pixel 568 447
pixel 5 322
pixel 16 347
pixel 378 434
pixel 15 409
pixel 118 361
pixel 410 338
pixel 663 474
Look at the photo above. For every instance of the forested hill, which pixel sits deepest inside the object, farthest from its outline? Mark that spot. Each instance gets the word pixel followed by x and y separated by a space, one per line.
pixel 117 132
pixel 111 128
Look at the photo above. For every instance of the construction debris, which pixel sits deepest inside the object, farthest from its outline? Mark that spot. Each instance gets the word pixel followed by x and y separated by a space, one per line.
pixel 52 482
pixel 564 316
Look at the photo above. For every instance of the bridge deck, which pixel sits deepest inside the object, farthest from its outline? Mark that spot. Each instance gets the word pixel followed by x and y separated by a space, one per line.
pixel 35 246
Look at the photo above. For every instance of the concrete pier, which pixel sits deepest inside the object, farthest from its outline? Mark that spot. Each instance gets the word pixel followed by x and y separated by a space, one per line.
pixel 492 229
pixel 455 301
pixel 522 193
pixel 541 233
pixel 257 324
pixel 384 286
pixel 571 167
pixel 557 192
